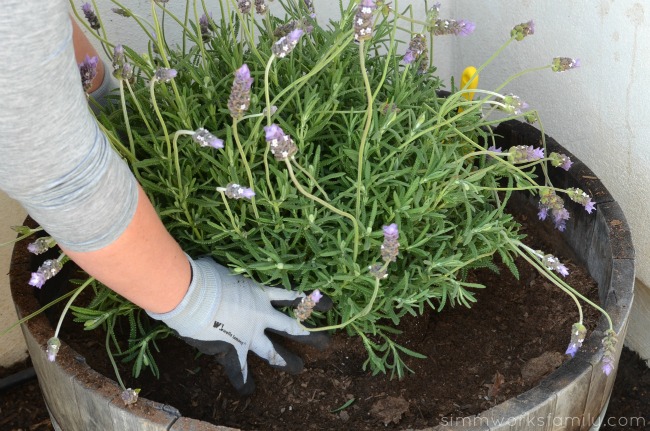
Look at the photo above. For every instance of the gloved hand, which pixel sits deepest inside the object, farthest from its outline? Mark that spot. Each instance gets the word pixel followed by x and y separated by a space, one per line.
pixel 226 315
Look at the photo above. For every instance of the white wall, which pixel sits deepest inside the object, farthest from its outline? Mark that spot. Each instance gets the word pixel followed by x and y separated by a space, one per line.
pixel 596 111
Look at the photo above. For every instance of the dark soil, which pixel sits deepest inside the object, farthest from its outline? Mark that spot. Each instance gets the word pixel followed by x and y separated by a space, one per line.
pixel 512 337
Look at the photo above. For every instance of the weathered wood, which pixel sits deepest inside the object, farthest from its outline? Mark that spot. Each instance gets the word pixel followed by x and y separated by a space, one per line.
pixel 186 424
pixel 638 335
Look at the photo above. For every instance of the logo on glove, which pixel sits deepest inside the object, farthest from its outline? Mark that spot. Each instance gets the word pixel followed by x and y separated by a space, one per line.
pixel 220 327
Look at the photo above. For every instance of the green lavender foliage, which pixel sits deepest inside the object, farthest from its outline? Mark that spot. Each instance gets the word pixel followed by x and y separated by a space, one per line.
pixel 424 167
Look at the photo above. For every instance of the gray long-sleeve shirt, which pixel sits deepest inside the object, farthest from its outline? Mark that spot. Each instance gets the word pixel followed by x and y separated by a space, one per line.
pixel 54 159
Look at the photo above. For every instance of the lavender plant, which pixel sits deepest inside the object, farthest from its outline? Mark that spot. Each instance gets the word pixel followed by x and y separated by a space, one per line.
pixel 324 157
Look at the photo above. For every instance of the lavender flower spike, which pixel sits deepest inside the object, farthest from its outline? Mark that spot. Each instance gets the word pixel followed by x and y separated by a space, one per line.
pixel 89 13
pixel 53 346
pixel 41 245
pixel 129 396
pixel 88 71
pixel 165 75
pixel 285 45
pixel 240 95
pixel 578 333
pixel 47 270
pixel 206 139
pixel 307 304
pixel 282 146
pixel 235 191
pixel 609 355
pixel 443 27
pixel 363 20
pixel 525 153
pixel 390 247
pixel 204 25
pixel 260 7
pixel 553 263
pixel 560 161
pixel 562 64
pixel 520 31
pixel 577 195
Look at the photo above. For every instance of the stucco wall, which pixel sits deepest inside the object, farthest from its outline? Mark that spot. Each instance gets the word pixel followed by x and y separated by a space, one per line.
pixel 597 111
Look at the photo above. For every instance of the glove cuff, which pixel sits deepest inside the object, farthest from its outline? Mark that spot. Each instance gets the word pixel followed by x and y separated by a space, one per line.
pixel 200 302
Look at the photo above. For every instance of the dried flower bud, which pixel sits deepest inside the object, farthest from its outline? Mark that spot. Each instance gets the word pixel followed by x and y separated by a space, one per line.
pixel 307 304
pixel 282 146
pixel 235 191
pixel 378 271
pixel 244 6
pixel 260 7
pixel 206 139
pixel 165 75
pixel 129 396
pixel 390 247
pixel 578 334
pixel 53 346
pixel 123 12
pixel 562 64
pixel 240 95
pixel 41 245
pixel 520 31
pixel 363 20
pixel 89 13
pixel 47 270
pixel 286 44
pixel 88 71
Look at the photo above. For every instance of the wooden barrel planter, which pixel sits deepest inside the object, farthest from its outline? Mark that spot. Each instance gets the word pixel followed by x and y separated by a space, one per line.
pixel 572 398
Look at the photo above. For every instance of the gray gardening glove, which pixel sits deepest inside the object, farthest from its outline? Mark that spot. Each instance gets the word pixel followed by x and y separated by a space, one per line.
pixel 226 315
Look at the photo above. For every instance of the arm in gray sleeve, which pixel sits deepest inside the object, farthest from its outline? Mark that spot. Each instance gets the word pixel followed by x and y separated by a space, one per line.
pixel 53 158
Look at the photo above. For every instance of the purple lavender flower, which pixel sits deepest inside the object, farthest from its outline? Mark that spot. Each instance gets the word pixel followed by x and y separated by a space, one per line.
pixel 206 139
pixel 513 105
pixel 286 44
pixel 240 95
pixel 121 69
pixel 235 191
pixel 554 264
pixel 578 333
pixel 281 144
pixel 53 346
pixel 307 304
pixel 89 13
pixel 560 216
pixel 37 280
pixel 543 212
pixel 525 153
pixel 560 161
pixel 443 27
pixel 562 64
pixel 579 196
pixel 88 71
pixel 494 149
pixel 363 20
pixel 390 247
pixel 164 74
pixel 204 25
pixel 41 245
pixel 47 270
pixel 609 355
pixel 520 31
pixel 417 49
